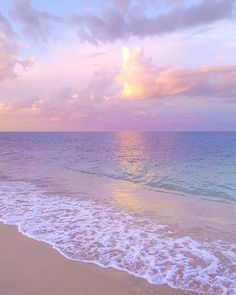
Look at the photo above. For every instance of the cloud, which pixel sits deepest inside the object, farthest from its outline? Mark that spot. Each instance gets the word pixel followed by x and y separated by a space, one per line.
pixel 65 102
pixel 9 49
pixel 141 79
pixel 124 19
pixel 96 54
pixel 111 95
pixel 36 24
pixel 4 107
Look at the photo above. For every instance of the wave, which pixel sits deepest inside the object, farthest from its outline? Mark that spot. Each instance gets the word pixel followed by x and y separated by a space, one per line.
pixel 101 233
pixel 163 185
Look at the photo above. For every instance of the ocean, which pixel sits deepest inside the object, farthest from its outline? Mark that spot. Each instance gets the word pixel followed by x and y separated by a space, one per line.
pixel 158 205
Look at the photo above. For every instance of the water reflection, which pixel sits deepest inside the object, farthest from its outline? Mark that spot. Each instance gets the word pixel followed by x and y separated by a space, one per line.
pixel 134 154
pixel 131 155
pixel 131 152
pixel 124 195
pixel 134 158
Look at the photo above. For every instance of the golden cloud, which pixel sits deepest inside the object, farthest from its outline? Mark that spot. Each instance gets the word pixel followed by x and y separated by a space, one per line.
pixel 141 79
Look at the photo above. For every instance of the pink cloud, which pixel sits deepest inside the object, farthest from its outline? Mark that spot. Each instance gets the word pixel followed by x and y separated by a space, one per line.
pixel 141 79
pixel 51 96
pixel 9 50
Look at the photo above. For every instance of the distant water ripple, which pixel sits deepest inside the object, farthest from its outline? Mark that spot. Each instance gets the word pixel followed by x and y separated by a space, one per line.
pixel 200 164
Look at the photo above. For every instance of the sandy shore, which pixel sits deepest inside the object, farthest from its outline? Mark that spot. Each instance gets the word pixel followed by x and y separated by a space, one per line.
pixel 31 267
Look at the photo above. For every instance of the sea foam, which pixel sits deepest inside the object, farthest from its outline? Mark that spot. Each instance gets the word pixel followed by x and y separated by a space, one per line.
pixel 104 234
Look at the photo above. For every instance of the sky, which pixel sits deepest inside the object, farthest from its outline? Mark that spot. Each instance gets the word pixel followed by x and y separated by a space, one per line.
pixel 114 65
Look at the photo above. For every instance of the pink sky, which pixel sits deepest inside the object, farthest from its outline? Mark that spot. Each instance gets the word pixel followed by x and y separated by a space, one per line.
pixel 118 65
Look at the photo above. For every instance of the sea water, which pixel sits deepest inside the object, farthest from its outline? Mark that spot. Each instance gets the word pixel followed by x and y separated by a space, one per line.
pixel 160 206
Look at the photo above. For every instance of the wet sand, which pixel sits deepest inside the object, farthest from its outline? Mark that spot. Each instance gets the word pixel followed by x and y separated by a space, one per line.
pixel 31 267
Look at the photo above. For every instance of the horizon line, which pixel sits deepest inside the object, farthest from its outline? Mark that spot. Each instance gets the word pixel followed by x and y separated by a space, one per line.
pixel 113 131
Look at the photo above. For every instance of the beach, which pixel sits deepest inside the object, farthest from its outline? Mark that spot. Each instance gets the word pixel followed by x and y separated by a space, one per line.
pixel 117 147
pixel 31 267
pixel 78 223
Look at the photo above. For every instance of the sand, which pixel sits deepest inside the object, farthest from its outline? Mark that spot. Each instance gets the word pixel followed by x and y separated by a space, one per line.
pixel 29 267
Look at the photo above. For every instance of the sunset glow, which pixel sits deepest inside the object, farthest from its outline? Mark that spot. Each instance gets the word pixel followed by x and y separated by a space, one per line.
pixel 117 65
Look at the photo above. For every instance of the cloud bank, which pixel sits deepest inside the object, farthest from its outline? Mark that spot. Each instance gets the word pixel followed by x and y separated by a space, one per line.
pixel 138 86
pixel 127 19
pixel 141 79
pixel 122 19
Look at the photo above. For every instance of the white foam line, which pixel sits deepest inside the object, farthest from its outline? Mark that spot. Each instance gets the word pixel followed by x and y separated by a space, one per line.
pixel 106 236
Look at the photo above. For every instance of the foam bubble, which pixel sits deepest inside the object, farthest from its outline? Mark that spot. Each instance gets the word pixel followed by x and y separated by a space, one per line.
pixel 101 233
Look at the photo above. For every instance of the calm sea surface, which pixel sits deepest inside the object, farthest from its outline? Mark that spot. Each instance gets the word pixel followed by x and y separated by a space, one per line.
pixel 161 206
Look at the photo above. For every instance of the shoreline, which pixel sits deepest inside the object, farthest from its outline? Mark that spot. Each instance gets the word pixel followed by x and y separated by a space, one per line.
pixel 31 267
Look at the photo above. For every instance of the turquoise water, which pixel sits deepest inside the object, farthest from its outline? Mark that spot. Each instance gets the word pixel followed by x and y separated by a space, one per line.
pixel 161 206
pixel 201 164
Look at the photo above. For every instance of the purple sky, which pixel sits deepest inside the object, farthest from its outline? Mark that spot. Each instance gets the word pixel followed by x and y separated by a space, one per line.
pixel 117 65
